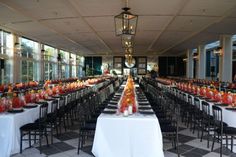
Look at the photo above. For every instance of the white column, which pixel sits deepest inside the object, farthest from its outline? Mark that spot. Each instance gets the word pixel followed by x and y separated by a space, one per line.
pixel 201 69
pixel 16 61
pixel 225 67
pixel 189 64
pixel 42 73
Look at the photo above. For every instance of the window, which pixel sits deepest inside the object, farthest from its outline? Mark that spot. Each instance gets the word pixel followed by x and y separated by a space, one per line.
pixel 6 43
pixel 73 65
pixel 50 71
pixel 30 60
pixel 50 53
pixel 50 63
pixel 6 71
pixel 30 49
pixel 6 57
pixel 65 68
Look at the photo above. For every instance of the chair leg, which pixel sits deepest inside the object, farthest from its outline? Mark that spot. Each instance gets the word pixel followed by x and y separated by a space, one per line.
pixel 51 134
pixel 177 144
pixel 221 144
pixel 46 135
pixel 64 121
pixel 208 136
pixel 21 138
pixel 29 139
pixel 40 142
pixel 226 141
pixel 79 143
pixel 213 142
pixel 202 133
pixel 232 143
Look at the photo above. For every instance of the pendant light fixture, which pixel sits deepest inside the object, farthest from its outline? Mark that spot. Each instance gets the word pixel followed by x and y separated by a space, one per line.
pixel 126 22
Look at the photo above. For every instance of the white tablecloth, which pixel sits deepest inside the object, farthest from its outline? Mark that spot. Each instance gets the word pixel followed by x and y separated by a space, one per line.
pixel 228 116
pixel 133 136
pixel 10 129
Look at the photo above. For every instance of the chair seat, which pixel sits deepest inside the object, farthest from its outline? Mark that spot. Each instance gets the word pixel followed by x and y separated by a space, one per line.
pixel 228 130
pixel 168 129
pixel 164 121
pixel 31 126
pixel 88 127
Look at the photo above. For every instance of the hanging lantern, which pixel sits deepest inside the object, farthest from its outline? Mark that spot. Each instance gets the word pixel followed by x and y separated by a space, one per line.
pixel 126 23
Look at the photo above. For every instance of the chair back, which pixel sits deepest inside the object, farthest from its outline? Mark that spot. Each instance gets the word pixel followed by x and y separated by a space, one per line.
pixel 43 111
pixel 54 106
pixel 62 102
pixel 190 100
pixel 197 103
pixel 218 117
pixel 205 108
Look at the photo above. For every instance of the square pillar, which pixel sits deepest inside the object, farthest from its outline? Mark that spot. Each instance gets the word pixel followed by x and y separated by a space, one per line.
pixel 201 70
pixel 225 67
pixel 189 64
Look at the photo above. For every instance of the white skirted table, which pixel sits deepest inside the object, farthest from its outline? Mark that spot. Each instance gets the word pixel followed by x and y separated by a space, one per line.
pixel 134 136
pixel 10 129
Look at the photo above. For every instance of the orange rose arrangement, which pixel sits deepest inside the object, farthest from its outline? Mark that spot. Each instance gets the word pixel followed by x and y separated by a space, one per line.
pixel 128 96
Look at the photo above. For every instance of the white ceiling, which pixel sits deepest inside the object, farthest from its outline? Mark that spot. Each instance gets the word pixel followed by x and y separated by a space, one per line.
pixel 165 27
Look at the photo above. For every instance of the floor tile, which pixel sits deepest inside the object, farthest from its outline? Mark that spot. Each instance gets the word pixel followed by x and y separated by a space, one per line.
pixel 225 151
pixel 59 155
pixel 213 154
pixel 73 142
pixel 202 145
pixel 185 138
pixel 187 132
pixel 87 149
pixel 67 136
pixel 196 152
pixel 182 149
pixel 62 146
pixel 49 150
pixel 170 154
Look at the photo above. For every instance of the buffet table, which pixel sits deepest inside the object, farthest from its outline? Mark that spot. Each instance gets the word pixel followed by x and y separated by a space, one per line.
pixel 136 135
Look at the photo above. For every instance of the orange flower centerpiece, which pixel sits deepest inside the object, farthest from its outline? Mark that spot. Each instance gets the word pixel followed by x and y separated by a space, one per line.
pixel 128 99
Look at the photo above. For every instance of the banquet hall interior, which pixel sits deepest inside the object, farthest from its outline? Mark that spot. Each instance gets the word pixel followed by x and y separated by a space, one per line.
pixel 117 78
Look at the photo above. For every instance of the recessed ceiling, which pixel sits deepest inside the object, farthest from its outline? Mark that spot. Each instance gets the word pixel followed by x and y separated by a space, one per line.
pixel 87 26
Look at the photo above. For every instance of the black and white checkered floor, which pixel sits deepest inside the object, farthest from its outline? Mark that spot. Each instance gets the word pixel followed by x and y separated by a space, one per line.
pixel 66 144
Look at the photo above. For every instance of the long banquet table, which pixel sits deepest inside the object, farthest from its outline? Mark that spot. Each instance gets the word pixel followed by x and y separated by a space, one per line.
pixel 137 135
pixel 228 116
pixel 10 129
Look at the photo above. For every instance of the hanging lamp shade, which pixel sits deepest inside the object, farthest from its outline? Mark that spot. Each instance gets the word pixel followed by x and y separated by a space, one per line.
pixel 127 42
pixel 126 23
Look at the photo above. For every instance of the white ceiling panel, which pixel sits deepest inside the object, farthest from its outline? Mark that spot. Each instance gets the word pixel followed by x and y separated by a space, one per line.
pixel 168 39
pixel 208 7
pixel 153 22
pixel 82 36
pixel 155 7
pixel 226 26
pixel 32 28
pixel 99 24
pixel 190 23
pixel 44 9
pixel 146 37
pixel 99 7
pixel 8 16
pixel 68 25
